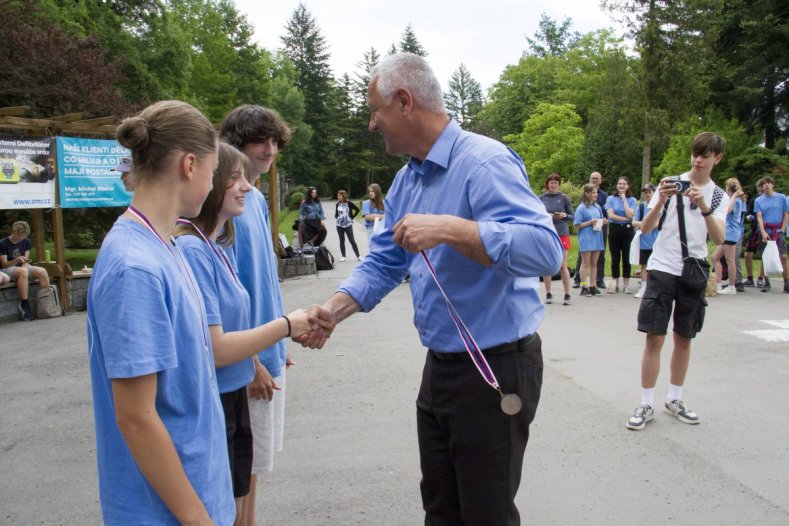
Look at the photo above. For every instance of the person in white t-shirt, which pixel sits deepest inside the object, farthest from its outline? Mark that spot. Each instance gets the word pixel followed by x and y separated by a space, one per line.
pixel 704 213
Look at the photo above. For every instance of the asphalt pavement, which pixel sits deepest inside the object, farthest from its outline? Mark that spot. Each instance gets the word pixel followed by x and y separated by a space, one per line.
pixel 351 455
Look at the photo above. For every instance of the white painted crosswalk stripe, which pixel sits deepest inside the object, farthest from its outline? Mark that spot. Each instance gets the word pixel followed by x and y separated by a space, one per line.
pixel 772 335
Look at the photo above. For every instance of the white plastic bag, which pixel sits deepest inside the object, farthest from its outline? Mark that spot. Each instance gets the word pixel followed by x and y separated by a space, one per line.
pixel 635 248
pixel 378 226
pixel 771 260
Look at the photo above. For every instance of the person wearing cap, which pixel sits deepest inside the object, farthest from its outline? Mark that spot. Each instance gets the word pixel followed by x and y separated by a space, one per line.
pixel 646 241
pixel 125 167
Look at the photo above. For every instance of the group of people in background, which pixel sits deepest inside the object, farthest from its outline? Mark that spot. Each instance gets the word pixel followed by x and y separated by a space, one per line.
pixel 616 220
pixel 312 218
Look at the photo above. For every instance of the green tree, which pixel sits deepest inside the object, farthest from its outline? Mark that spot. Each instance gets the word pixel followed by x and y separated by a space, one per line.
pixel 757 162
pixel 676 160
pixel 673 38
pixel 307 49
pixel 752 72
pixel 551 141
pixel 552 38
pixel 410 44
pixel 464 98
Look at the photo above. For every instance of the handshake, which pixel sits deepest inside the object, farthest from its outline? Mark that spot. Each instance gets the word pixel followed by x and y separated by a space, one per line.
pixel 311 327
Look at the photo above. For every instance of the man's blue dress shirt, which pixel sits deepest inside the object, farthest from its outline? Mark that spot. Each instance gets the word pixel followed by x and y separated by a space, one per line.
pixel 472 177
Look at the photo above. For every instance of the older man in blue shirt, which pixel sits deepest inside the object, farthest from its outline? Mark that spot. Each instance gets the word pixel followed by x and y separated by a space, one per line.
pixel 466 201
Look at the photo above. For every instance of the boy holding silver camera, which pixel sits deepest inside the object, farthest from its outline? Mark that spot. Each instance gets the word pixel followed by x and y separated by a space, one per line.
pixel 692 203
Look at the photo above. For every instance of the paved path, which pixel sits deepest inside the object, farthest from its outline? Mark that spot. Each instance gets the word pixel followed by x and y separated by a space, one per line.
pixel 350 448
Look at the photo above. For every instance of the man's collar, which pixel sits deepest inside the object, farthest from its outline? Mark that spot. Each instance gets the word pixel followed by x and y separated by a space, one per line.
pixel 441 150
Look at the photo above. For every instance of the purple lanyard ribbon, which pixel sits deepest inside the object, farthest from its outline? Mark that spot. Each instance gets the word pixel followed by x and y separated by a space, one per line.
pixel 179 261
pixel 219 253
pixel 468 340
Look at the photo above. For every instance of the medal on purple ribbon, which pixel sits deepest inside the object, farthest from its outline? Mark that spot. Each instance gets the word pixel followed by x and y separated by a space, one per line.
pixel 511 404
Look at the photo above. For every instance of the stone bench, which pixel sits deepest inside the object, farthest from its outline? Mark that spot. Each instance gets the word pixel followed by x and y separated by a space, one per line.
pixel 302 265
pixel 76 285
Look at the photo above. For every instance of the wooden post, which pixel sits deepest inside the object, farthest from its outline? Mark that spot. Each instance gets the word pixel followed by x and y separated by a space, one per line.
pixel 38 233
pixel 60 257
pixel 273 201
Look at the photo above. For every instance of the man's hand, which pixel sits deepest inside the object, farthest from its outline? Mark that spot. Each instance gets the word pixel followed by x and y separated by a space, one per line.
pixel 263 385
pixel 416 232
pixel 322 323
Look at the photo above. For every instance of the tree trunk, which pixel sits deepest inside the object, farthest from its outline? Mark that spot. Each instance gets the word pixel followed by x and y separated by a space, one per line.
pixel 646 159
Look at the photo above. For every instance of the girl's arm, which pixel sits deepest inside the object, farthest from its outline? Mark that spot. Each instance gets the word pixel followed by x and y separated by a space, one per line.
pixel 337 210
pixel 232 347
pixel 152 447
pixel 629 212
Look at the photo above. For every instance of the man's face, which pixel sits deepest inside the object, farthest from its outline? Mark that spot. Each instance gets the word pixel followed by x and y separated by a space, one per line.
pixel 596 179
pixel 386 118
pixel 262 154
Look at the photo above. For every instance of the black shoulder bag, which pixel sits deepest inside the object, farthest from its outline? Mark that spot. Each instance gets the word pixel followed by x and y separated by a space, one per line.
pixel 695 271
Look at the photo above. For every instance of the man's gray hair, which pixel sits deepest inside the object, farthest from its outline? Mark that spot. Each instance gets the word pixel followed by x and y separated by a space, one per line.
pixel 412 72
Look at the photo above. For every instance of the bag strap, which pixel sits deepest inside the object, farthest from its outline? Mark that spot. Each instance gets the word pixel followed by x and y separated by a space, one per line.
pixel 683 239
pixel 663 215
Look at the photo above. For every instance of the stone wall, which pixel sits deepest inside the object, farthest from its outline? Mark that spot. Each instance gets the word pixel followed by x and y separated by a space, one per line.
pixel 77 287
pixel 297 266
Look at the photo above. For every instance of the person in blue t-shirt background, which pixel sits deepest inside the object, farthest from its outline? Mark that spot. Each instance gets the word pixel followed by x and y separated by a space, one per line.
pixel 372 209
pixel 733 234
pixel 646 241
pixel 203 241
pixel 620 208
pixel 772 215
pixel 589 222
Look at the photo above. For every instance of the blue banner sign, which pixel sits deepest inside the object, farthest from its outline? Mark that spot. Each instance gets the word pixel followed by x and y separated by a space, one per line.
pixel 86 173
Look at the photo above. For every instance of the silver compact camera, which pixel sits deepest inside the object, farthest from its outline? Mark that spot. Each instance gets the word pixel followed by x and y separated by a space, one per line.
pixel 681 186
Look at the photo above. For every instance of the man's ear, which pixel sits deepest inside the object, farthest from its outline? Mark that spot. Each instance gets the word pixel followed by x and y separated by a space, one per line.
pixel 404 99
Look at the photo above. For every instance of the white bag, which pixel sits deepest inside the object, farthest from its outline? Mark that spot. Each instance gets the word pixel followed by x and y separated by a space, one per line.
pixel 378 226
pixel 635 248
pixel 771 260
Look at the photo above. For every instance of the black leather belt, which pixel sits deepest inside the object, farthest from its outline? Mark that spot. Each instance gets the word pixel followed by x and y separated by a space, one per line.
pixel 498 349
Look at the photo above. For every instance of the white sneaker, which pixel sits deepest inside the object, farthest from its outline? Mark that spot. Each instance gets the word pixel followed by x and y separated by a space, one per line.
pixel 641 291
pixel 728 290
pixel 719 287
pixel 342 259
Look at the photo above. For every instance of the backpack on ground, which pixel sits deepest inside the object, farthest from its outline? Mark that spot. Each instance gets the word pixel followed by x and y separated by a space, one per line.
pixel 48 303
pixel 324 260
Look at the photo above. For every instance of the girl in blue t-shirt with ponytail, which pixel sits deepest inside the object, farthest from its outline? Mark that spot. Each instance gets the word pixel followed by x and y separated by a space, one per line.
pixel 589 222
pixel 734 229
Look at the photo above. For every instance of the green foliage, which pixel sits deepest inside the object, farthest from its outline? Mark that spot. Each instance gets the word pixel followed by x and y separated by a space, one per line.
pixel 552 38
pixel 757 162
pixel 410 44
pixel 551 141
pixel 676 160
pixel 464 98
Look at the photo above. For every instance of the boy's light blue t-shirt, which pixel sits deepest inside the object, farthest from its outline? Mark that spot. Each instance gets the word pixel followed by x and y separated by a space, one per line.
pixel 772 208
pixel 589 239
pixel 734 222
pixel 145 317
pixel 226 304
pixel 252 257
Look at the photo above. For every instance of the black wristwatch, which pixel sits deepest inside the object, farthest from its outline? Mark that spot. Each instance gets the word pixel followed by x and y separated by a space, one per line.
pixel 707 213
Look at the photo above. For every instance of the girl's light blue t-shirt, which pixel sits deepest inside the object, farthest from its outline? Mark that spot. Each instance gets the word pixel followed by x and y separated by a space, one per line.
pixel 145 316
pixel 367 209
pixel 615 204
pixel 226 304
pixel 589 239
pixel 734 222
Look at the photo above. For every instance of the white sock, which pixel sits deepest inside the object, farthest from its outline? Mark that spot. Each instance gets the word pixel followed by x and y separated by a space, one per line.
pixel 648 396
pixel 674 392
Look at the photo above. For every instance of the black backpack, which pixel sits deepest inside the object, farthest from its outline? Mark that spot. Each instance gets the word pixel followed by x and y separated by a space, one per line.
pixel 323 258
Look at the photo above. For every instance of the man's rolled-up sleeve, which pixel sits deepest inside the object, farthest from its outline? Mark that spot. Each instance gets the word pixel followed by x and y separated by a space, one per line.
pixel 516 231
